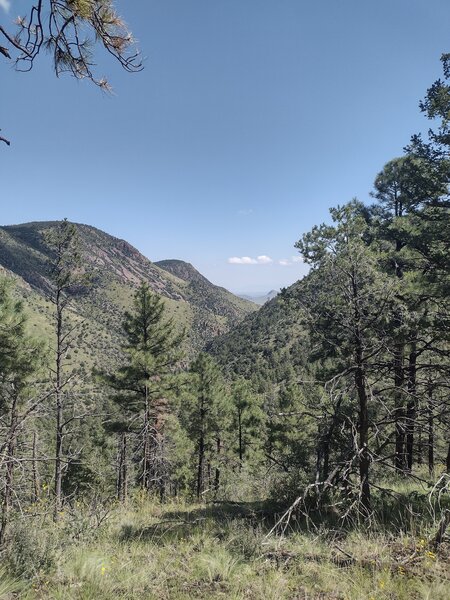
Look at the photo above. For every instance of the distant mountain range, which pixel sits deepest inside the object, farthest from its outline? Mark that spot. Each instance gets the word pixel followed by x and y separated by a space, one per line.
pixel 259 299
pixel 202 308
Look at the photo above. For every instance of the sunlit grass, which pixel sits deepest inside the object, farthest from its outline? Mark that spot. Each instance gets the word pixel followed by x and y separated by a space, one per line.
pixel 182 551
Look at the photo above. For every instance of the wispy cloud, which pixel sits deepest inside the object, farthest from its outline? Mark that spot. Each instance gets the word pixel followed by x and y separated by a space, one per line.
pixel 248 260
pixel 5 4
pixel 297 259
pixel 243 212
pixel 284 262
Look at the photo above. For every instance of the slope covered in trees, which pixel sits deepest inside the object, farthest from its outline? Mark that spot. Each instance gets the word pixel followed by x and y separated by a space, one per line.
pixel 115 269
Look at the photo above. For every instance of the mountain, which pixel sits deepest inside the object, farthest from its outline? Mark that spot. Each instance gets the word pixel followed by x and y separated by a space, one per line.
pixel 116 269
pixel 205 294
pixel 259 299
pixel 268 345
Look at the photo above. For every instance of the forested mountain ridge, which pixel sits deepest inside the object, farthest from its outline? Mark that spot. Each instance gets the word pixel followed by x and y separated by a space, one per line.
pixel 205 294
pixel 268 346
pixel 115 269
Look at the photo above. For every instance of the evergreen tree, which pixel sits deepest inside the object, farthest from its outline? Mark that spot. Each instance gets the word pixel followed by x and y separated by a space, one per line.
pixel 147 379
pixel 405 188
pixel 206 421
pixel 65 277
pixel 248 420
pixel 349 303
pixel 21 358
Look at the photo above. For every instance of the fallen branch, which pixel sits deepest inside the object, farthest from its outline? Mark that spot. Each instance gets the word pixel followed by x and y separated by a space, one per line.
pixel 445 522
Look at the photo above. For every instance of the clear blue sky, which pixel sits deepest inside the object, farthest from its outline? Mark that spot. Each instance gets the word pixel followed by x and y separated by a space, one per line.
pixel 250 119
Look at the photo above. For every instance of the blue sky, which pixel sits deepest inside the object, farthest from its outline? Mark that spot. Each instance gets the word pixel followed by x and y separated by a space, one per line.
pixel 251 119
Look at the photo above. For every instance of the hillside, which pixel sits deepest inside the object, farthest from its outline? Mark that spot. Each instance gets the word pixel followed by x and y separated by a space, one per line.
pixel 116 268
pixel 260 299
pixel 205 294
pixel 268 344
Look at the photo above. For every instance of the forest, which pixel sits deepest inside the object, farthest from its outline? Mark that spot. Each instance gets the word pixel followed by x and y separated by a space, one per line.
pixel 163 438
pixel 314 432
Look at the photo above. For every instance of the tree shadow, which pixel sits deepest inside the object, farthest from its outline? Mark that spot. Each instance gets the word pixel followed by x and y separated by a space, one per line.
pixel 216 519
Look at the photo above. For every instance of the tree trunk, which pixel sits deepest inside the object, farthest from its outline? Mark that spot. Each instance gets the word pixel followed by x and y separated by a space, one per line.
pixel 360 383
pixel 364 458
pixel 217 470
pixel 399 413
pixel 201 451
pixel 34 473
pixel 447 462
pixel 59 408
pixel 146 479
pixel 241 449
pixel 122 469
pixel 420 446
pixel 411 407
pixel 430 431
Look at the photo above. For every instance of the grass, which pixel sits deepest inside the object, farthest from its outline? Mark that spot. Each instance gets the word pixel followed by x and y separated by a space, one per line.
pixel 183 551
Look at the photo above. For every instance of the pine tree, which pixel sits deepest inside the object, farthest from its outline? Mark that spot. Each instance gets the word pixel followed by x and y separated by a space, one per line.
pixel 147 379
pixel 207 419
pixel 65 276
pixel 21 358
pixel 405 188
pixel 248 420
pixel 349 302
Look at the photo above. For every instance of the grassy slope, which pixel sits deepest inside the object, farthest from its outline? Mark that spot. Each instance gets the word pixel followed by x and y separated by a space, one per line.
pixel 179 551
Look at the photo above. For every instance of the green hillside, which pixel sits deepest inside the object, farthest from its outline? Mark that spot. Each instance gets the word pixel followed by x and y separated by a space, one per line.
pixel 116 268
pixel 268 344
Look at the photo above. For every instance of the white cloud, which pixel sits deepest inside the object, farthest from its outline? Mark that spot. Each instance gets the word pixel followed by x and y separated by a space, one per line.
pixel 264 260
pixel 5 4
pixel 244 211
pixel 243 260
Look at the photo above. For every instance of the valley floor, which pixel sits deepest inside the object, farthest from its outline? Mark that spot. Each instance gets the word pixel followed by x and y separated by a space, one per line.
pixel 179 551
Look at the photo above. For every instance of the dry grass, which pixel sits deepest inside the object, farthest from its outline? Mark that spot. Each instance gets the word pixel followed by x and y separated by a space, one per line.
pixel 181 551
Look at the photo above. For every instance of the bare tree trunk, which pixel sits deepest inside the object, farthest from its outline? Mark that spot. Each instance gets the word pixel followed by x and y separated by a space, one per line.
pixel 34 472
pixel 217 470
pixel 158 454
pixel 122 468
pixel 201 458
pixel 59 408
pixel 201 451
pixel 241 449
pixel 411 407
pixel 399 413
pixel 146 479
pixel 360 383
pixel 447 461
pixel 430 431
pixel 364 458
pixel 420 446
